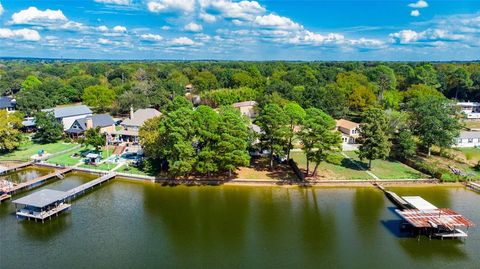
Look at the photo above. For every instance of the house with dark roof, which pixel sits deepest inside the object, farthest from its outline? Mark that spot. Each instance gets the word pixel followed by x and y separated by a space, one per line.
pixel 69 114
pixel 103 121
pixel 8 103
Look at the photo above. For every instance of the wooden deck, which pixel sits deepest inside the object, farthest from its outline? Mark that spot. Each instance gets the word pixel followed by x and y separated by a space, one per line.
pixel 4 170
pixel 24 213
pixel 38 180
pixel 4 197
pixel 82 188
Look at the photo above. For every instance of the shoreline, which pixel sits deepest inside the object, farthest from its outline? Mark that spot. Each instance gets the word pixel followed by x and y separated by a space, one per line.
pixel 270 183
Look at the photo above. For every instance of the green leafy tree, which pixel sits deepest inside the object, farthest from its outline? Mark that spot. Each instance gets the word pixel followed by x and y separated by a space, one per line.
pixel 94 138
pixel 435 121
pixel 177 103
pixel 207 138
pixel 421 91
pixel 318 137
pixel 31 83
pixel 362 99
pixel 205 81
pixel 384 77
pixel 99 97
pixel 31 101
pixel 10 135
pixel 406 145
pixel 295 114
pixel 426 74
pixel 274 123
pixel 49 129
pixel 374 139
pixel 231 149
pixel 331 99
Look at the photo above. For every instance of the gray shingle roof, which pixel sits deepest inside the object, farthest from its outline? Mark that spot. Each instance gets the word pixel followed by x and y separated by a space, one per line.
pixel 69 111
pixel 140 116
pixel 42 198
pixel 469 135
pixel 6 102
pixel 98 120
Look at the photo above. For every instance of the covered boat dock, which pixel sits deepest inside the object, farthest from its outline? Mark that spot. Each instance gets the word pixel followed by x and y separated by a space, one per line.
pixel 441 222
pixel 42 205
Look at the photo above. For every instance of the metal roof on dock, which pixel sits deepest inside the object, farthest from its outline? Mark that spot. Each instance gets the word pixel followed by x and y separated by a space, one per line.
pixel 42 198
pixel 432 218
pixel 419 203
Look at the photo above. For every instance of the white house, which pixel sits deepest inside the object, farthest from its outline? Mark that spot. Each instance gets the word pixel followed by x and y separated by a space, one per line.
pixel 468 139
pixel 247 108
pixel 470 109
pixel 69 114
pixel 350 131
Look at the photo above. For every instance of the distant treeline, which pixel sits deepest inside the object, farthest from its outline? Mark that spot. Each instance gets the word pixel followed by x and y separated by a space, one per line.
pixel 339 88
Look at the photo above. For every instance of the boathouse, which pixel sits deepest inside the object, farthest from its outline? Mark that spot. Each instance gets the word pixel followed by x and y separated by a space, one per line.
pixel 42 205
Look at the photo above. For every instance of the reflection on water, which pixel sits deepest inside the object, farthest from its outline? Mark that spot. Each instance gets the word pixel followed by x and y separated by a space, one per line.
pixel 26 174
pixel 129 224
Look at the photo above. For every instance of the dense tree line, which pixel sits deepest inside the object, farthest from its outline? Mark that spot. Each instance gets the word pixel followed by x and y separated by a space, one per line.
pixel 338 88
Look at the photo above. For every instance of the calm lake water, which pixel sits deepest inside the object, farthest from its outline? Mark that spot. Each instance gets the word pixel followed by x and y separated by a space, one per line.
pixel 131 224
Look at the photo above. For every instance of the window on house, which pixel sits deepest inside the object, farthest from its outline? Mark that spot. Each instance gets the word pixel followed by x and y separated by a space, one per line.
pixel 470 140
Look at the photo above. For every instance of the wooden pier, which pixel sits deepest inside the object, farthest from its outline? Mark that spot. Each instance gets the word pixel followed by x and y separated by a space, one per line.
pixel 474 186
pixel 39 180
pixel 89 185
pixel 4 170
pixel 46 203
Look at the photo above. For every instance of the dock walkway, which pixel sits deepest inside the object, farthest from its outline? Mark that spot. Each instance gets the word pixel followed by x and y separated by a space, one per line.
pixel 4 170
pixel 31 183
pixel 82 188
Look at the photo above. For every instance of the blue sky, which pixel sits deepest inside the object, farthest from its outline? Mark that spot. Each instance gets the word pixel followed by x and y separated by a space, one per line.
pixel 241 30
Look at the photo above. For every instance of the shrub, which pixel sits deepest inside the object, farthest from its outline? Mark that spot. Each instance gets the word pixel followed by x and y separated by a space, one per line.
pixel 334 159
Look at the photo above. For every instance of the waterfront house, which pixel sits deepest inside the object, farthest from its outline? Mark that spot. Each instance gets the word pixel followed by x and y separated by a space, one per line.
pixel 103 121
pixel 132 125
pixel 468 139
pixel 8 103
pixel 471 110
pixel 247 108
pixel 69 114
pixel 350 131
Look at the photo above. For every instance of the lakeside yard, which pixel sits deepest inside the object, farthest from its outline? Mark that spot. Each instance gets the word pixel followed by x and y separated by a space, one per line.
pixel 349 168
pixel 29 148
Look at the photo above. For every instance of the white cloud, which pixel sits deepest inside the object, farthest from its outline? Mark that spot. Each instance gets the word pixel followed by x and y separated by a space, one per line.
pixel 182 41
pixel 427 36
pixel 104 41
pixel 246 10
pixel 119 29
pixel 102 28
pixel 34 16
pixel 209 18
pixel 415 13
pixel 160 6
pixel 151 37
pixel 1 9
pixel 21 34
pixel 115 2
pixel 419 4
pixel 193 27
pixel 278 22
pixel 165 28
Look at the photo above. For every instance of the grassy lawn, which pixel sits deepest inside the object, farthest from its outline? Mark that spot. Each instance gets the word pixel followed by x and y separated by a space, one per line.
pixel 133 170
pixel 28 148
pixel 389 168
pixel 102 166
pixel 346 170
pixel 471 155
pixel 67 159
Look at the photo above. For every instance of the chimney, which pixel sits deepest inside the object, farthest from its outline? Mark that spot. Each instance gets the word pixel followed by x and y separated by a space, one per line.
pixel 89 123
pixel 131 112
